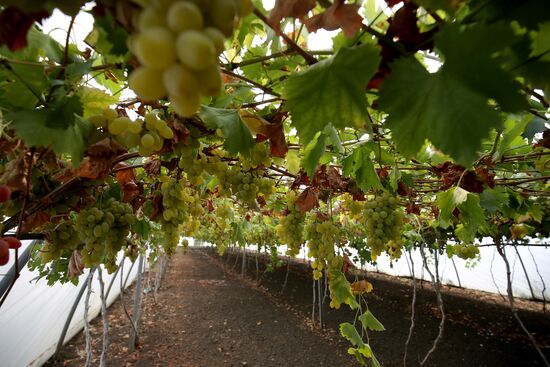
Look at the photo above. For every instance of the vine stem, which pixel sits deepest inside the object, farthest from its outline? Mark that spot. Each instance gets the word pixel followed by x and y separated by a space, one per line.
pixel 86 321
pixel 306 55
pixel 266 89
pixel 437 287
pixel 509 291
pixel 104 318
pixel 413 305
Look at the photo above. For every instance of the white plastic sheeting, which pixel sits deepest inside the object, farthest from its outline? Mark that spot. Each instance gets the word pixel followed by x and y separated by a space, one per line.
pixel 33 316
pixel 487 274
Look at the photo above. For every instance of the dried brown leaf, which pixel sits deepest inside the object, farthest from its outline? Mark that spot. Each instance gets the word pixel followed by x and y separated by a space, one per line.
pixel 339 15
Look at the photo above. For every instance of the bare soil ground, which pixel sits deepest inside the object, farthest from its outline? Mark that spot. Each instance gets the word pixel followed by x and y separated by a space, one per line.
pixel 205 314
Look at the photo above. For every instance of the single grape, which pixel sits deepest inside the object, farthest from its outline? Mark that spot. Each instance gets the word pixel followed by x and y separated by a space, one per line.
pixel 147 141
pixel 183 16
pixel 155 48
pixel 222 15
pixel 134 127
pixel 145 82
pixel 118 125
pixel 186 106
pixel 217 37
pixel 179 80
pixel 150 17
pixel 210 81
pixel 195 50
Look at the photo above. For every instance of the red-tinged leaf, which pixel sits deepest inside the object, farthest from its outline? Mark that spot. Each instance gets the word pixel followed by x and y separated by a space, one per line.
pixel 413 208
pixel 487 177
pixel 14 25
pixel 308 200
pixel 347 265
pixel 392 3
pixel 301 179
pixel 152 167
pixel 130 191
pixel 15 173
pixel 277 139
pixel 12 242
pixel 210 205
pixel 289 8
pixel 403 189
pixel 124 175
pixel 75 267
pixel 339 15
pixel 261 201
pixel 95 168
pixel 105 148
pixel 382 172
pixel 35 220
pixel 335 179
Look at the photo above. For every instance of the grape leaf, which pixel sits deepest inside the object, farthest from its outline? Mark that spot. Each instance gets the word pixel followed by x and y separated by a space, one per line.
pixel 450 108
pixel 471 218
pixel 541 42
pixel 237 136
pixel 313 152
pixel 94 100
pixel 447 201
pixel 342 289
pixel 32 127
pixel 289 8
pixel 360 166
pixel 338 15
pixel 370 322
pixel 331 91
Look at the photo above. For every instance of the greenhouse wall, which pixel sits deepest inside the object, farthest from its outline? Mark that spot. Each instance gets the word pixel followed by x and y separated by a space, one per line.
pixel 34 313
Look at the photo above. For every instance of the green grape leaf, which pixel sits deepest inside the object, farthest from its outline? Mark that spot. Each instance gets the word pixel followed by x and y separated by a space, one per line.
pixel 313 152
pixel 94 100
pixel 292 162
pixel 541 42
pixel 63 112
pixel 32 127
pixel 342 289
pixel 142 228
pixel 370 322
pixel 331 91
pixel 471 217
pixel 349 332
pixel 447 201
pixel 451 107
pixel 492 199
pixel 360 166
pixel 237 136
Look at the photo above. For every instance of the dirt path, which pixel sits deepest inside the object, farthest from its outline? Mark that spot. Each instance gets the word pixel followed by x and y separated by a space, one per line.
pixel 206 317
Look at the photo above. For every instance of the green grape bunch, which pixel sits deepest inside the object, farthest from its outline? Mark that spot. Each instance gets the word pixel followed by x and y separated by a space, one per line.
pixel 290 230
pixel 62 239
pixel 466 251
pixel 147 135
pixel 321 234
pixel 384 225
pixel 103 229
pixel 177 44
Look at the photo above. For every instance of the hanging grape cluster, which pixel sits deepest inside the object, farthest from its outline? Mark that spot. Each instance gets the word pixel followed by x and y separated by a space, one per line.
pixel 177 44
pixel 466 251
pixel 321 236
pixel 61 240
pixel 246 186
pixel 182 208
pixel 290 229
pixel 104 229
pixel 259 156
pixel 384 223
pixel 148 134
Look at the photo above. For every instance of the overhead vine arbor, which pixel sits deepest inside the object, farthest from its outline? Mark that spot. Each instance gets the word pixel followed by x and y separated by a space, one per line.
pixel 422 125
